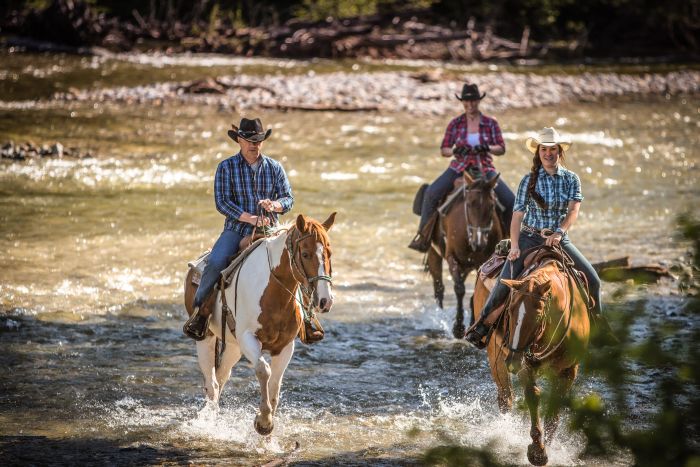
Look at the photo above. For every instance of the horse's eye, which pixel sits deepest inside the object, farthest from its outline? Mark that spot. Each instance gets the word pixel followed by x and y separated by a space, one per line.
pixel 305 255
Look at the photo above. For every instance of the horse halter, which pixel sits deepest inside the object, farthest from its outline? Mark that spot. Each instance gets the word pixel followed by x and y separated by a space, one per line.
pixel 475 232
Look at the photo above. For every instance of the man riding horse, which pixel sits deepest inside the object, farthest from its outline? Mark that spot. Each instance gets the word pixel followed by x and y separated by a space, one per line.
pixel 250 189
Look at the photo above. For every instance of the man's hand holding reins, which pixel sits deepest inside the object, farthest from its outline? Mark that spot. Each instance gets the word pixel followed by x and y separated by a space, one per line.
pixel 254 220
pixel 270 206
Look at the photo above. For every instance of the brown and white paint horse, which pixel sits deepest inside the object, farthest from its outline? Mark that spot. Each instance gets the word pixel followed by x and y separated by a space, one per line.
pixel 267 315
pixel 546 327
pixel 470 231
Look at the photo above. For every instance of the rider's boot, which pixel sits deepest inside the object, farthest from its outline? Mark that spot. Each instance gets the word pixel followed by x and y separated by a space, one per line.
pixel 197 325
pixel 311 334
pixel 480 329
pixel 421 242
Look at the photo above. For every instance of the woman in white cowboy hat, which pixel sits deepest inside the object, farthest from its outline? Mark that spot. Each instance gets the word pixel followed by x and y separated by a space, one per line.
pixel 548 198
pixel 471 139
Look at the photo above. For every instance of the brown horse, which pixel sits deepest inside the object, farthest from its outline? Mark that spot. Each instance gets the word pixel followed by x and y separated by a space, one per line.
pixel 261 309
pixel 545 326
pixel 467 236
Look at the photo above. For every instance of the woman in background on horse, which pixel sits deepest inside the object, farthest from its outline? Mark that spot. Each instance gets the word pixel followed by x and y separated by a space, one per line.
pixel 471 138
pixel 548 198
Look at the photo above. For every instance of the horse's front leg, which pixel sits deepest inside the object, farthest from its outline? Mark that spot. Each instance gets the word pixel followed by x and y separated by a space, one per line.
pixel 561 386
pixel 206 356
pixel 252 349
pixel 500 375
pixel 458 277
pixel 536 453
pixel 279 364
pixel 230 357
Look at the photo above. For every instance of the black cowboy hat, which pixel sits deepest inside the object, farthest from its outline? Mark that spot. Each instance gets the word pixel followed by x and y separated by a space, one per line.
pixel 249 130
pixel 470 92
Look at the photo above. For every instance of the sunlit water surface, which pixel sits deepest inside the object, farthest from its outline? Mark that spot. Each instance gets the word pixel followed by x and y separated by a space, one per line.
pixel 93 254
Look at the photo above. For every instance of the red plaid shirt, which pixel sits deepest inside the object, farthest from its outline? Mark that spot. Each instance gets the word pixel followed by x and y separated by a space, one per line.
pixel 456 135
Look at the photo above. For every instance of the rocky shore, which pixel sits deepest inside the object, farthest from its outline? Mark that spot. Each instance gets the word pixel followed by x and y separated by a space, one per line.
pixel 29 150
pixel 389 91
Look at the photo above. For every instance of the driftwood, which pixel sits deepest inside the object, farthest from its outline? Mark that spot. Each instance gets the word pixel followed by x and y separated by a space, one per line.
pixel 619 269
pixel 218 86
pixel 320 107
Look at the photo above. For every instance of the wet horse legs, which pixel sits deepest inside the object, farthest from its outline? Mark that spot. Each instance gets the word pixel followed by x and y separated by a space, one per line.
pixel 252 349
pixel 458 277
pixel 536 453
pixel 279 364
pixel 434 263
pixel 561 385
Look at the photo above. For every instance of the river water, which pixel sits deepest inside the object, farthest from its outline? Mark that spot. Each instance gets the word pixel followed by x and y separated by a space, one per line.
pixel 93 254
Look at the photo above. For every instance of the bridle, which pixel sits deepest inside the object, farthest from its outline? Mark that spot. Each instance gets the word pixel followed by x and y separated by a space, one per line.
pixel 475 232
pixel 534 358
pixel 307 284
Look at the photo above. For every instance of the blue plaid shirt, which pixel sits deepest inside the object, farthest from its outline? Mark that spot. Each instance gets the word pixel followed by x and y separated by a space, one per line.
pixel 557 190
pixel 237 189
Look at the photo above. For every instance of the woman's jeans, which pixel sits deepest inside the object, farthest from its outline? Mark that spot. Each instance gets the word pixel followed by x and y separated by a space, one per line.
pixel 444 184
pixel 225 247
pixel 511 270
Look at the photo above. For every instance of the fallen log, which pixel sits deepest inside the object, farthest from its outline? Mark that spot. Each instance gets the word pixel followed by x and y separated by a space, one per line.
pixel 619 269
pixel 613 263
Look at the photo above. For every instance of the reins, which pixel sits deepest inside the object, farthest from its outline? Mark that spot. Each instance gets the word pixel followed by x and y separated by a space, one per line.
pixel 308 314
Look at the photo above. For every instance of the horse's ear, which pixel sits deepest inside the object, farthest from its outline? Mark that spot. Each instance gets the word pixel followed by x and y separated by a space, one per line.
pixel 493 181
pixel 467 178
pixel 328 223
pixel 512 283
pixel 301 223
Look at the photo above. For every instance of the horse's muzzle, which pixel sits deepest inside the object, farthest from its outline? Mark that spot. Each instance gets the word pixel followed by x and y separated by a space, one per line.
pixel 514 362
pixel 325 305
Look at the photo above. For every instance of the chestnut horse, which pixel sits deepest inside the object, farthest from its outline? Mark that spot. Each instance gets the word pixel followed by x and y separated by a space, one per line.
pixel 468 235
pixel 264 300
pixel 545 326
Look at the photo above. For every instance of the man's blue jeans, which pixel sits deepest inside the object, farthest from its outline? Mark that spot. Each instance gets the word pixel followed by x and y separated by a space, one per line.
pixel 512 269
pixel 443 185
pixel 225 247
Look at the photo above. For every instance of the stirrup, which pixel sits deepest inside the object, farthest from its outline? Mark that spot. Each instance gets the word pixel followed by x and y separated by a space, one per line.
pixel 196 326
pixel 419 243
pixel 475 335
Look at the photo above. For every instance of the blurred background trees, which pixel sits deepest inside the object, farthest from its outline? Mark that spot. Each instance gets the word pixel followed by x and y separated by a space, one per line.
pixel 593 27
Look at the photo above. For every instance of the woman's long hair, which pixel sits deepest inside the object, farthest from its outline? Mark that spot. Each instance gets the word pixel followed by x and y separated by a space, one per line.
pixel 534 173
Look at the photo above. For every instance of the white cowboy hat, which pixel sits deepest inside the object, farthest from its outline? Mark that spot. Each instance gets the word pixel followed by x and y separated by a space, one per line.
pixel 547 136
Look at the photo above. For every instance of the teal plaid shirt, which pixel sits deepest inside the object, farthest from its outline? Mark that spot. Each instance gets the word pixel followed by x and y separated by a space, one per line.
pixel 557 190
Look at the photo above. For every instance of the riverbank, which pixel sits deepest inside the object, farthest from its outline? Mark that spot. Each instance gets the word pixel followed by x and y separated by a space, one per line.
pixel 402 91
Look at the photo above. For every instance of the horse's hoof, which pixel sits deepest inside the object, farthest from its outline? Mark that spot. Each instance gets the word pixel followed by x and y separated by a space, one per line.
pixel 537 455
pixel 264 431
pixel 458 330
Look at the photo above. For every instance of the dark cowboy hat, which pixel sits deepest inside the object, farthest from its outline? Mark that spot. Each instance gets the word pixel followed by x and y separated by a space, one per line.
pixel 470 92
pixel 249 130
